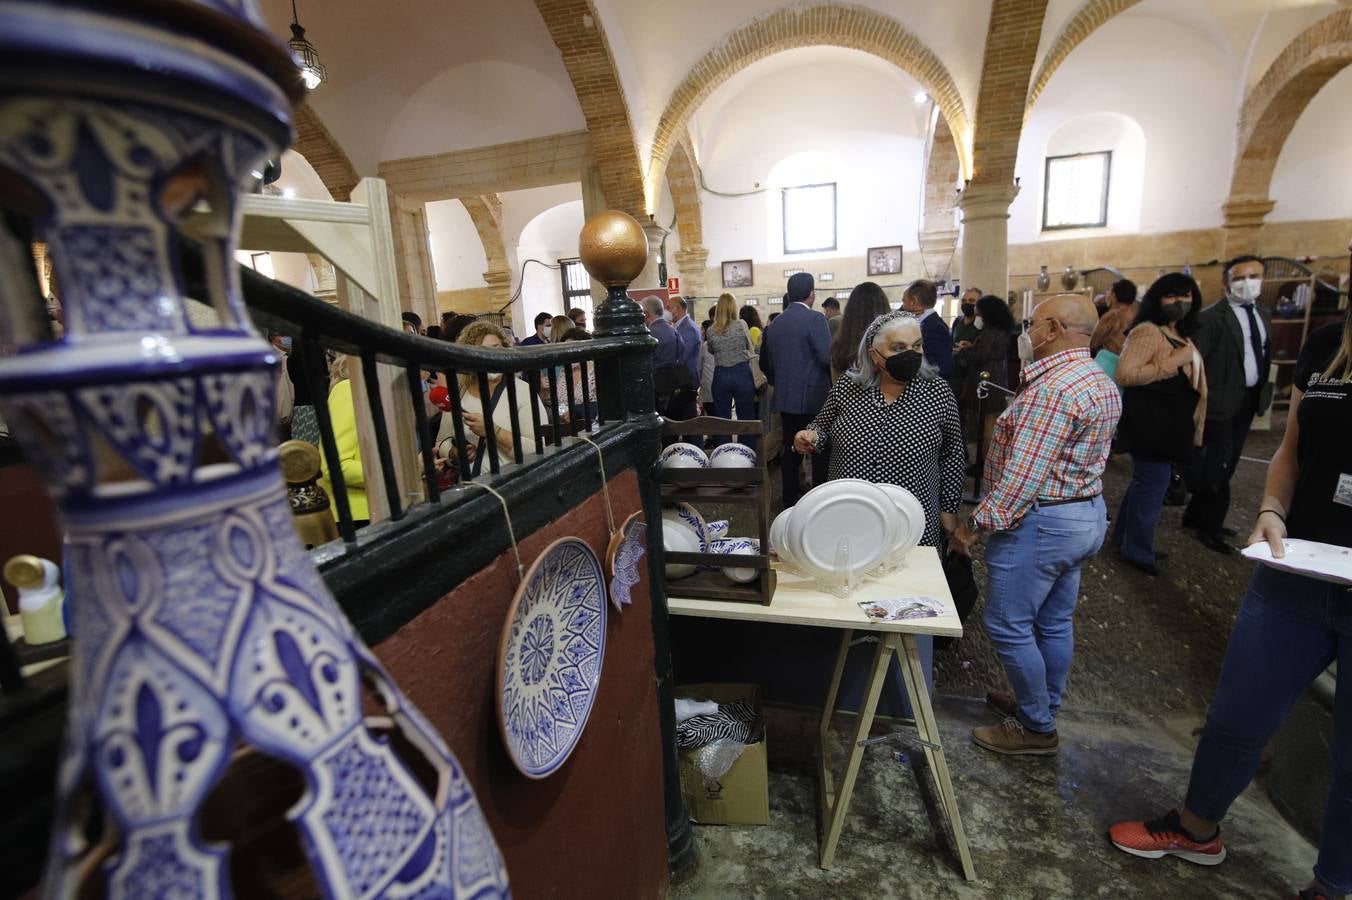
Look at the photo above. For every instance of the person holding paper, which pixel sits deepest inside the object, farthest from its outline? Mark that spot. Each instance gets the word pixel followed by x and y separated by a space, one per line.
pixel 1289 629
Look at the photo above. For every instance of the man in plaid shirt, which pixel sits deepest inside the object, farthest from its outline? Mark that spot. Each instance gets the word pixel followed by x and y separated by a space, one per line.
pixel 1046 518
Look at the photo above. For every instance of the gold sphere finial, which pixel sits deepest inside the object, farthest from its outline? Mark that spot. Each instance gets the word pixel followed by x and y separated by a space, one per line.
pixel 25 571
pixel 613 248
pixel 300 461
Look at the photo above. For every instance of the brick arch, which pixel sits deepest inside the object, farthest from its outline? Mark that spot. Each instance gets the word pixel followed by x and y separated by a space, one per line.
pixel 683 183
pixel 321 151
pixel 1011 49
pixel 576 29
pixel 1275 103
pixel 1086 20
pixel 823 24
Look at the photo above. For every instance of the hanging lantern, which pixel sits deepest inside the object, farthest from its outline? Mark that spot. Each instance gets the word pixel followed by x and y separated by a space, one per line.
pixel 312 71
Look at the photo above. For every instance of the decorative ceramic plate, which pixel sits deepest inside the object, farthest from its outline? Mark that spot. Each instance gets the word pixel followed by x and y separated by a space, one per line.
pixel 683 456
pixel 688 516
pixel 549 660
pixel 911 517
pixel 623 556
pixel 845 508
pixel 733 456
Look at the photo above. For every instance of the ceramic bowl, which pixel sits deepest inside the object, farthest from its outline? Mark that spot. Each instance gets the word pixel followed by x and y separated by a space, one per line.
pixel 678 538
pixel 734 546
pixel 690 517
pixel 683 456
pixel 733 456
pixel 717 529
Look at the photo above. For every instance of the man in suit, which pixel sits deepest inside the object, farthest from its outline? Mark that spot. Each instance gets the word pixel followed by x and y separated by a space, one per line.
pixel 1233 337
pixel 796 359
pixel 670 376
pixel 919 300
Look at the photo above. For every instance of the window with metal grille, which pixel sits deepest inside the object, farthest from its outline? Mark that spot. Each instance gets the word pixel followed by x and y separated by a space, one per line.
pixel 809 218
pixel 1076 194
pixel 576 288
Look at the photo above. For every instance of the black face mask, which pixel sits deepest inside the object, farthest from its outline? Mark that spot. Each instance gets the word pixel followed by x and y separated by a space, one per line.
pixel 905 365
pixel 1174 312
pixel 968 310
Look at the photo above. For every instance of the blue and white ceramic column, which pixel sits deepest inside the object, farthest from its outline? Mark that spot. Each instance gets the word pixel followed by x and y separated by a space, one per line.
pixel 203 632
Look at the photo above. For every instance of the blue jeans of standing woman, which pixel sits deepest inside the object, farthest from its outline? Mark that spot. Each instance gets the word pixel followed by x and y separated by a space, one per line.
pixel 1033 582
pixel 734 384
pixel 1288 630
pixel 1134 530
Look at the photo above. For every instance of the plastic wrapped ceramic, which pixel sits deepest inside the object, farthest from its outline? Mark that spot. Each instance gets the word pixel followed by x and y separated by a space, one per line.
pixel 688 516
pixel 549 659
pixel 846 514
pixel 733 546
pixel 678 538
pixel 911 519
pixel 208 643
pixel 733 456
pixel 683 456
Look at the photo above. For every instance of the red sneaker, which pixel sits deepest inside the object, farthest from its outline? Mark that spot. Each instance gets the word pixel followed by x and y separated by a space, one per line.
pixel 1165 837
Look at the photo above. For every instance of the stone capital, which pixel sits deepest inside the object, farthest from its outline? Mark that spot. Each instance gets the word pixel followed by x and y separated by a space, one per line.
pixel 986 201
pixel 499 286
pixel 1246 212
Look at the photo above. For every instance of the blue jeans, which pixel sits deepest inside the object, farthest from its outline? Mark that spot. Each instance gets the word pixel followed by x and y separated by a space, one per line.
pixel 1288 630
pixel 735 384
pixel 1033 575
pixel 1134 530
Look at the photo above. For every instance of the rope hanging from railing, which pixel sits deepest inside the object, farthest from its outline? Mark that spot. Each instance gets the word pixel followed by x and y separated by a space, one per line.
pixel 511 532
pixel 605 485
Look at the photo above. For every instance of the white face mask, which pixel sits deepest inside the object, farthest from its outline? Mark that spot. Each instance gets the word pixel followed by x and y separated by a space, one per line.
pixel 1246 290
pixel 978 323
pixel 1025 347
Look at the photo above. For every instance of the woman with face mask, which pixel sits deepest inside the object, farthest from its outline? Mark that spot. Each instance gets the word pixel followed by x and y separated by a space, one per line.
pixel 988 354
pixel 1164 409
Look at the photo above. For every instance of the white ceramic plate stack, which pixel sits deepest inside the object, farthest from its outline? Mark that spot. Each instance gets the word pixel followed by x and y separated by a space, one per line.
pixel 877 522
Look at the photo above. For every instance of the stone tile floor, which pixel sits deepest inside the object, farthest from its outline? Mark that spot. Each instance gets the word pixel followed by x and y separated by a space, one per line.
pixel 1036 825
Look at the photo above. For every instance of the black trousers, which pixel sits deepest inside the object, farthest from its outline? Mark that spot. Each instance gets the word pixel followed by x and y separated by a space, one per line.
pixel 790 463
pixel 1209 480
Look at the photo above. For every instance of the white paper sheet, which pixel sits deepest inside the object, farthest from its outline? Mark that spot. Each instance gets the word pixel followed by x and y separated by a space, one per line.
pixel 1327 562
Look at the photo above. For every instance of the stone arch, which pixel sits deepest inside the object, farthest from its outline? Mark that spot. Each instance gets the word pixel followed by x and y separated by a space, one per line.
pixel 321 150
pixel 829 24
pixel 485 211
pixel 1086 20
pixel 683 182
pixel 577 32
pixel 943 177
pixel 1011 50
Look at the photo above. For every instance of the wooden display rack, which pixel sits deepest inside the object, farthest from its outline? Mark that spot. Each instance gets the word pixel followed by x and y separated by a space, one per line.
pixel 733 487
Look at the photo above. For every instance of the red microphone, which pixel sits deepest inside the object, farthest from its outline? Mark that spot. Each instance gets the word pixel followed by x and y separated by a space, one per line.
pixel 440 398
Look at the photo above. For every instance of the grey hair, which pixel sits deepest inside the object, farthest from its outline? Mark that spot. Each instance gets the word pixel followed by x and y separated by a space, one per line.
pixel 864 373
pixel 652 306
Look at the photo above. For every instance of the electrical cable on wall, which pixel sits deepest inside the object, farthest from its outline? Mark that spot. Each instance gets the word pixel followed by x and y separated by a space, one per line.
pixel 521 283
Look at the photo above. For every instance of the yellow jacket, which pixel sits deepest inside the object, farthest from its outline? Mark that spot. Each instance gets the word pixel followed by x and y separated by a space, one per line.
pixel 343 414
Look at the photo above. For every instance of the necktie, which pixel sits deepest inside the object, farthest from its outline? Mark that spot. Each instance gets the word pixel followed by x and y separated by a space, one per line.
pixel 1255 339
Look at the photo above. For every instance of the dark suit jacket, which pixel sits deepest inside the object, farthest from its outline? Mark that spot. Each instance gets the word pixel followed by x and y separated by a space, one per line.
pixel 1220 340
pixel 938 344
pixel 795 356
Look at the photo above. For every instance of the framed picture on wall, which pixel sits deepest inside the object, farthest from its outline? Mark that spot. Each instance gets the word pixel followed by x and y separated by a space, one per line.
pixel 751 301
pixel 884 260
pixel 738 273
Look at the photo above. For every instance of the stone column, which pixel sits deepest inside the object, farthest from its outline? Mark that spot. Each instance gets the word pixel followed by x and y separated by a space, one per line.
pixel 650 277
pixel 985 236
pixel 593 202
pixel 1243 222
pixel 692 262
pixel 413 258
pixel 937 252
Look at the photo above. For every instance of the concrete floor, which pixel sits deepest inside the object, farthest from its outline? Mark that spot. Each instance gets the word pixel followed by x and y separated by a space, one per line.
pixel 1036 825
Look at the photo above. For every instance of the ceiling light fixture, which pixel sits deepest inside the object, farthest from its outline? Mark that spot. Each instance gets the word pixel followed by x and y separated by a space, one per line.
pixel 312 71
pixel 921 97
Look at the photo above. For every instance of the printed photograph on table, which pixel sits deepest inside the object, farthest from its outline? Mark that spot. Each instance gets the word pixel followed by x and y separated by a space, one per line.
pixel 738 273
pixel 903 608
pixel 884 260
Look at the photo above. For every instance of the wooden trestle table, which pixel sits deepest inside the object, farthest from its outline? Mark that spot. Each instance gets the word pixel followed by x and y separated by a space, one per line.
pixel 798 601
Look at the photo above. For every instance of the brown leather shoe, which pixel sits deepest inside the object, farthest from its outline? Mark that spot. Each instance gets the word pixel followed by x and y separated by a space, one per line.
pixel 1002 703
pixel 1012 739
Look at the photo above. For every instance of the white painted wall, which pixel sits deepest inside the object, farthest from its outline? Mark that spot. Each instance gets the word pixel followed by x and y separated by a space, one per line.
pixel 1311 179
pixel 1189 141
pixel 821 114
pixel 543 224
pixel 458 258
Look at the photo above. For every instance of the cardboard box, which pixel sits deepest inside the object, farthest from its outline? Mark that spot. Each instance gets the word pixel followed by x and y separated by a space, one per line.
pixel 742 795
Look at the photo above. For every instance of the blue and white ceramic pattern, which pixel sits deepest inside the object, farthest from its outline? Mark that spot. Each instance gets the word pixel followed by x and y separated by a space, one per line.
pixel 203 628
pixel 626 562
pixel 688 516
pixel 733 456
pixel 683 456
pixel 549 662
pixel 717 529
pixel 737 546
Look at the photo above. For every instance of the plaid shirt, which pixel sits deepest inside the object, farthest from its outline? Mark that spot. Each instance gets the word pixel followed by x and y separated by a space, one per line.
pixel 1053 441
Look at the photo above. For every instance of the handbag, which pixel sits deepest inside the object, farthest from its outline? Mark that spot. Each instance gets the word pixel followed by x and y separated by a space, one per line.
pixel 962 585
pixel 1157 419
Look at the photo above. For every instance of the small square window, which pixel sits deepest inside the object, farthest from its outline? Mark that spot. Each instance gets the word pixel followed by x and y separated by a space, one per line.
pixel 1076 191
pixel 809 218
